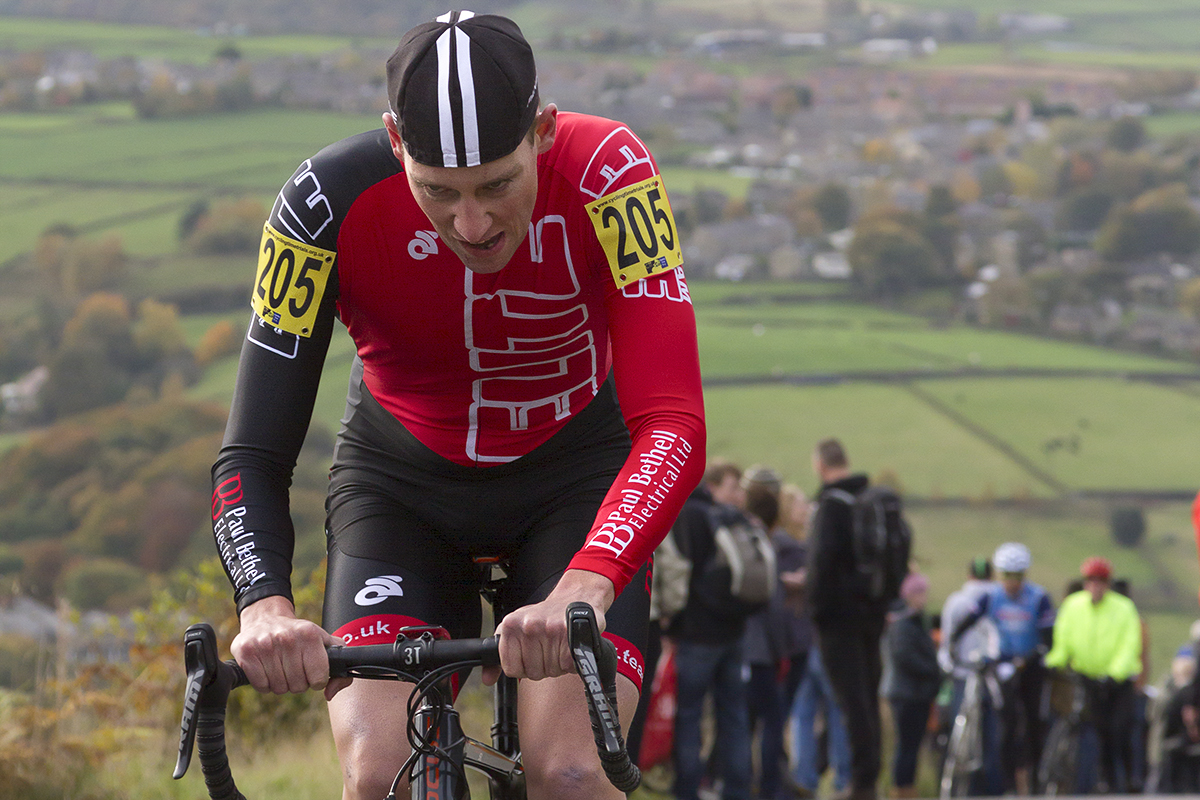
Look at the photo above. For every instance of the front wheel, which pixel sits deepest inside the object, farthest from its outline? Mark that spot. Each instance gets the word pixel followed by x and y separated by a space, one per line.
pixel 1056 772
pixel 958 768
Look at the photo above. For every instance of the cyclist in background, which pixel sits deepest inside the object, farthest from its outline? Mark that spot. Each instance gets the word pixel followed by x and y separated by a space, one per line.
pixel 1098 634
pixel 978 642
pixel 507 273
pixel 1024 619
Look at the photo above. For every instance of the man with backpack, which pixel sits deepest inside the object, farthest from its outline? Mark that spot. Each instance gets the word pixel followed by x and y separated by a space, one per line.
pixel 860 549
pixel 730 578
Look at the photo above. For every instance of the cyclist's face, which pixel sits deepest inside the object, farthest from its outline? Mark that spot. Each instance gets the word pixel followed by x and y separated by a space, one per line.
pixel 482 213
pixel 1097 587
pixel 1012 582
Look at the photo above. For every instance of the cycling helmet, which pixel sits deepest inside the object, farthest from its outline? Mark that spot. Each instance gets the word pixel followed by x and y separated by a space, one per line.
pixel 1012 557
pixel 463 89
pixel 1096 568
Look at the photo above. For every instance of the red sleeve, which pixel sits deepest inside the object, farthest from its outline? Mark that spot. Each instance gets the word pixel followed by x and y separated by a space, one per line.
pixel 1196 525
pixel 652 330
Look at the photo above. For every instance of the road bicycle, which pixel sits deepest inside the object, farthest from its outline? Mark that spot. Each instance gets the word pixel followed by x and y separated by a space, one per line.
pixel 1060 755
pixel 964 751
pixel 441 751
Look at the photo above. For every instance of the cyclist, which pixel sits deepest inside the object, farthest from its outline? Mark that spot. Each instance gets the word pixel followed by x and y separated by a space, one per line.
pixel 1098 634
pixel 1024 619
pixel 506 272
pixel 979 642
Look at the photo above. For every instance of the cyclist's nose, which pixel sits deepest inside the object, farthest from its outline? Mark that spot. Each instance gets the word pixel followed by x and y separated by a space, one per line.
pixel 472 222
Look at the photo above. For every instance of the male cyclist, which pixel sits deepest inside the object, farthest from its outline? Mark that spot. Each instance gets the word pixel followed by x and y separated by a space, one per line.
pixel 1024 619
pixel 1099 635
pixel 507 273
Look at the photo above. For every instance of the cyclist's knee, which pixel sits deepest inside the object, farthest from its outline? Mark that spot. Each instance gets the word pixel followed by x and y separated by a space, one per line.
pixel 568 779
pixel 366 781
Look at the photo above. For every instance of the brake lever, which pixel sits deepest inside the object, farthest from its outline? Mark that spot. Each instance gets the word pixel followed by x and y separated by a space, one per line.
pixel 200 661
pixel 599 671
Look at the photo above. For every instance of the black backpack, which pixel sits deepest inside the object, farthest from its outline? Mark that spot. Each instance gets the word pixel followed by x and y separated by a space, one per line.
pixel 740 577
pixel 882 540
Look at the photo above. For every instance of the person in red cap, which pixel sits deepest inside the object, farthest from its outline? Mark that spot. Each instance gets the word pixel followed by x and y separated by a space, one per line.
pixel 1098 634
pixel 526 387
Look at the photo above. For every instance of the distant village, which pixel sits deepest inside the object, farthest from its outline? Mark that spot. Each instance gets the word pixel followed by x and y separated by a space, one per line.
pixel 870 118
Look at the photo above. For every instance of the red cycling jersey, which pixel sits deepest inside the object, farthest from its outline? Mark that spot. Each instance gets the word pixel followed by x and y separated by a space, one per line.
pixel 480 368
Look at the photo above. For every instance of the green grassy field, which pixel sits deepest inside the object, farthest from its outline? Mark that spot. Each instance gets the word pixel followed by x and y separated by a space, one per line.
pixel 154 41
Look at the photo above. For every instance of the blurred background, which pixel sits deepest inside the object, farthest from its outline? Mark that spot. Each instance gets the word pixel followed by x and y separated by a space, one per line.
pixel 961 236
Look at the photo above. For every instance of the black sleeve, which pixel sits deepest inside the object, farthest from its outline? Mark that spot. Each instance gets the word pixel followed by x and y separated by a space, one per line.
pixel 279 372
pixel 268 420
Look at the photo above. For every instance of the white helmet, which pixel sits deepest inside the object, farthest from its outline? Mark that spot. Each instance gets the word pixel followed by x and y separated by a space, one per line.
pixel 1011 557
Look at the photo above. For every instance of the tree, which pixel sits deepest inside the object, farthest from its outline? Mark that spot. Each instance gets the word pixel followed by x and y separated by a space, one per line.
pixel 1159 221
pixel 1189 298
pixel 1128 525
pixel 94 364
pixel 157 333
pixel 888 258
pixel 833 204
pixel 230 227
pixel 1127 134
pixel 940 201
pixel 1084 210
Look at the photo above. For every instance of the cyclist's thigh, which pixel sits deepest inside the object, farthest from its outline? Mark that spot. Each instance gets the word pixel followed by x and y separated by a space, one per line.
pixel 539 564
pixel 387 569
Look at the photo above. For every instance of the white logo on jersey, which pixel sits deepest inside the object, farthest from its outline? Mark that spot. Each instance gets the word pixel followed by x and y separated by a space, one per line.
pixel 533 350
pixel 379 589
pixel 423 245
pixel 672 287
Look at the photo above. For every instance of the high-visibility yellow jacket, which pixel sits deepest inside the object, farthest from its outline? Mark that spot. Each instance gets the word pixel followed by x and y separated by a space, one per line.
pixel 1099 640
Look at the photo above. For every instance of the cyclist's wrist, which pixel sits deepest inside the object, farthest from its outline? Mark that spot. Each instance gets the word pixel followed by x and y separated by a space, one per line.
pixel 591 587
pixel 275 605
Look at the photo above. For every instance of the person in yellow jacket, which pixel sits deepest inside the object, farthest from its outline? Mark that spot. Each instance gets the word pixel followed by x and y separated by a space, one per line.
pixel 1098 634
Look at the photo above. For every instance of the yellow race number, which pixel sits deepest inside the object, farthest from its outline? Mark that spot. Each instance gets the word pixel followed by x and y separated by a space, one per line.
pixel 290 282
pixel 637 231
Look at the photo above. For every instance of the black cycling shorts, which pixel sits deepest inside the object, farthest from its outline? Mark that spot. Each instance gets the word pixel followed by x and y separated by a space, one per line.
pixel 406 527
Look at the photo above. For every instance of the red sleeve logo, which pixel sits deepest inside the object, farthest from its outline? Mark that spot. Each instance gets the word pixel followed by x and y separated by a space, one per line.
pixel 227 493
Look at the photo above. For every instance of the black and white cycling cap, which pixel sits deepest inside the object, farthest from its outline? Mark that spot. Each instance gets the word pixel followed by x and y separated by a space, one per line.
pixel 463 89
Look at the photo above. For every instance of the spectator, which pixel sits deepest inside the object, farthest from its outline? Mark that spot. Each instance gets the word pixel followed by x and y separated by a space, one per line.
pixel 913 679
pixel 1135 743
pixel 1024 618
pixel 980 641
pixel 709 656
pixel 1176 749
pixel 849 625
pixel 817 745
pixel 770 647
pixel 1098 634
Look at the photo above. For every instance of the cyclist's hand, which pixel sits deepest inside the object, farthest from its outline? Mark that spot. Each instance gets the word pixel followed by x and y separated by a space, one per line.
pixel 281 653
pixel 1191 722
pixel 533 639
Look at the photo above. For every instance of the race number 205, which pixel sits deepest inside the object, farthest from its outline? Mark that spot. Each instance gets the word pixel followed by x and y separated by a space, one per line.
pixel 637 231
pixel 290 282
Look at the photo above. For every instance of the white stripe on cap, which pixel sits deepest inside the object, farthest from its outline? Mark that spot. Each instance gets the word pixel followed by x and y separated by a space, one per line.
pixel 467 86
pixel 466 82
pixel 445 116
